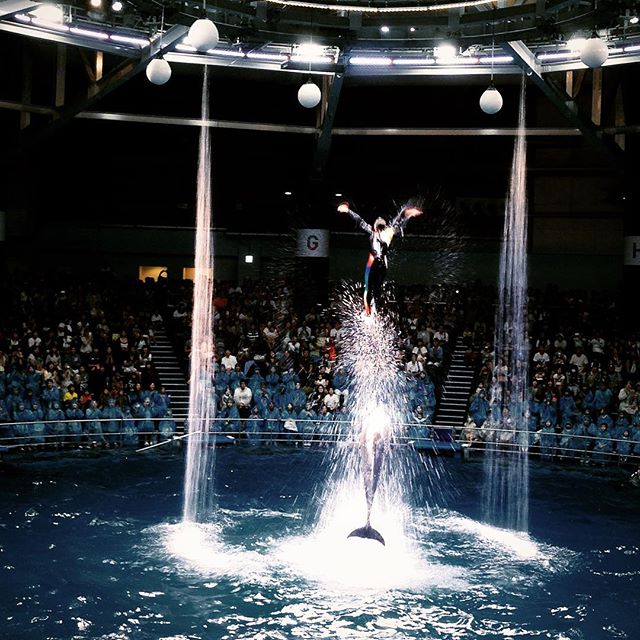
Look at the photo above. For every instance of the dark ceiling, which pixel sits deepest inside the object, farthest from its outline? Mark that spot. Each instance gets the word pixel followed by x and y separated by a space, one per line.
pixel 96 172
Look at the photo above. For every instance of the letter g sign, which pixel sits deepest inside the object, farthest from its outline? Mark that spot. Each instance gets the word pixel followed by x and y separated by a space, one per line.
pixel 312 243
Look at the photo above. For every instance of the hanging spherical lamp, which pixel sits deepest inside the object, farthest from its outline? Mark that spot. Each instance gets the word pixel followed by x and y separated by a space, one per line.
pixel 491 100
pixel 203 34
pixel 309 95
pixel 158 71
pixel 594 52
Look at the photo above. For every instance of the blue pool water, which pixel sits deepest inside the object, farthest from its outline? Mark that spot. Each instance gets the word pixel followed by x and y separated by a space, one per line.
pixel 91 547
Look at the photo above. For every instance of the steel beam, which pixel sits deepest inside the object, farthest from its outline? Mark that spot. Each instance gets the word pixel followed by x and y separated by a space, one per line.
pixel 266 127
pixel 323 145
pixel 31 108
pixel 526 60
pixel 9 7
pixel 26 83
pixel 196 122
pixel 456 132
pixel 61 73
pixel 116 78
pixel 596 97
pixel 67 38
pixel 619 118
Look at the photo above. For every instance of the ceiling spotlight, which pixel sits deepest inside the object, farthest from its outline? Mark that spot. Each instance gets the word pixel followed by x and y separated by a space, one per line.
pixel 117 6
pixel 287 193
pixel 575 44
pixel 445 51
pixel 384 28
pixel 338 195
pixel 633 20
pixel 412 29
pixel 49 13
pixel 309 50
pixel 96 4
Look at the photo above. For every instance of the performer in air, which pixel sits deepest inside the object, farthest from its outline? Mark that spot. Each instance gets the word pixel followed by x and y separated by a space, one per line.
pixel 380 237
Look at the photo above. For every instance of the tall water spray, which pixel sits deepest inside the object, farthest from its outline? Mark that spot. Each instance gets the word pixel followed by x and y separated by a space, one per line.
pixel 377 403
pixel 506 486
pixel 198 490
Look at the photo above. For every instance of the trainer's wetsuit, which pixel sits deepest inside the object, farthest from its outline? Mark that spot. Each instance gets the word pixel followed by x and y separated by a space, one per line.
pixel 376 269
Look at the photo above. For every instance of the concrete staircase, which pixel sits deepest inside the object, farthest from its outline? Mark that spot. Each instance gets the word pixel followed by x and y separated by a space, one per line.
pixel 452 410
pixel 171 376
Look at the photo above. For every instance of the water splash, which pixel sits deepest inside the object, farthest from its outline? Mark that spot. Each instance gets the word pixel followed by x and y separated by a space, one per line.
pixel 198 490
pixel 506 487
pixel 376 402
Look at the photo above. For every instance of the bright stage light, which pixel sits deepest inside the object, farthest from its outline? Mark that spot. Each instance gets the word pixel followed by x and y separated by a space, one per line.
pixel 96 4
pixel 312 59
pixel 269 57
pixel 141 42
pixel 559 55
pixel 309 50
pixel 287 193
pixel 89 33
pixel 496 59
pixel 384 28
pixel 45 24
pixel 412 29
pixel 372 61
pixel 445 51
pixel 634 20
pixel 49 13
pixel 230 53
pixel 248 259
pixel 117 6
pixel 576 44
pixel 413 62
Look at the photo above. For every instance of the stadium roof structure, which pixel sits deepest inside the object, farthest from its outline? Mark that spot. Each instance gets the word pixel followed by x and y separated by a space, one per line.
pixel 70 66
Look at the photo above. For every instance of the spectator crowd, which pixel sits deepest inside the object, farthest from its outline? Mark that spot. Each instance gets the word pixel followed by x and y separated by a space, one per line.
pixel 76 364
pixel 278 370
pixel 584 380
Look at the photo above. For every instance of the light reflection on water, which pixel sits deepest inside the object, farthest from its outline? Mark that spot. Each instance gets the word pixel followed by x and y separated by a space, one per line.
pixel 95 555
pixel 459 579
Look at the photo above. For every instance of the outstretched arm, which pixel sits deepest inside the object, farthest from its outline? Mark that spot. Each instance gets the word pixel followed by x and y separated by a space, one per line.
pixel 343 207
pixel 400 221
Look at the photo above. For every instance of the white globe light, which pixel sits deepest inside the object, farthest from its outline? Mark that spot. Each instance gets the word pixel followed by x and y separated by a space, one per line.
pixel 309 95
pixel 491 101
pixel 203 34
pixel 594 52
pixel 158 71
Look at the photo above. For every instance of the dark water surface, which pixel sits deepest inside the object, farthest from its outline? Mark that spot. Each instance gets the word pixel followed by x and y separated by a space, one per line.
pixel 91 547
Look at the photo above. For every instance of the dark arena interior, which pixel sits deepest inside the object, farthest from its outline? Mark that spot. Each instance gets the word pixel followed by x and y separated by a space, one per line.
pixel 213 425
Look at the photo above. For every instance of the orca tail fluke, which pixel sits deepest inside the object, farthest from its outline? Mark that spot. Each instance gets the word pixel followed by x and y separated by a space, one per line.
pixel 367 532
